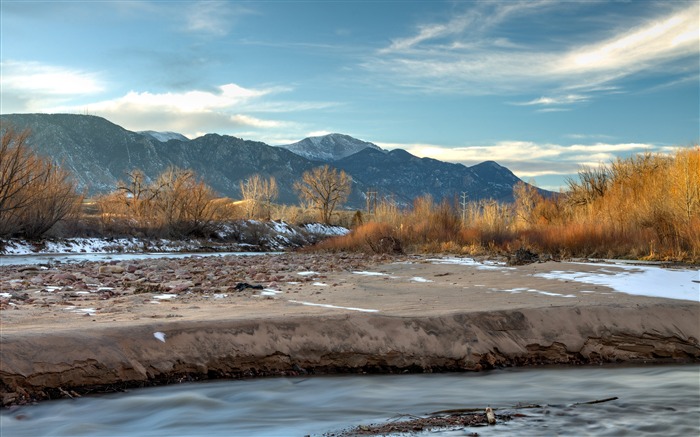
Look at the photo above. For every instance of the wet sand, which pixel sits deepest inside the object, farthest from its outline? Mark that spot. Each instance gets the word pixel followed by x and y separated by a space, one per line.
pixel 70 329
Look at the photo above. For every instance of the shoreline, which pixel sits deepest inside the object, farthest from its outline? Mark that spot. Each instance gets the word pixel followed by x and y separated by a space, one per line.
pixel 319 314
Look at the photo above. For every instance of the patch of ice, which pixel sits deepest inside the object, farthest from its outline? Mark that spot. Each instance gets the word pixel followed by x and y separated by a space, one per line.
pixel 88 311
pixel 160 336
pixel 5 295
pixel 334 306
pixel 269 292
pixel 651 281
pixel 164 296
pixel 370 273
pixel 419 279
pixel 220 295
pixel 470 262
pixel 320 284
pixel 309 273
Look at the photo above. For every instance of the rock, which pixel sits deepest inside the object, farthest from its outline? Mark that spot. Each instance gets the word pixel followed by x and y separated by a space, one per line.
pixel 522 256
pixel 111 269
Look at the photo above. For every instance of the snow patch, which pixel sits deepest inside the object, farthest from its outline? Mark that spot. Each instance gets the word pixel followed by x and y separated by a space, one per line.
pixel 334 306
pixel 683 284
pixel 369 273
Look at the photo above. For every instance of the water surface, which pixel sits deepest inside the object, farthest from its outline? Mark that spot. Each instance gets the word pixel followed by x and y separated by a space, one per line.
pixel 653 400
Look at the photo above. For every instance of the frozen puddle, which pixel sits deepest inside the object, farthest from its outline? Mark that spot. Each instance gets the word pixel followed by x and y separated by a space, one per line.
pixel 164 296
pixel 324 305
pixel 370 273
pixel 470 262
pixel 269 292
pixel 532 290
pixel 638 280
pixel 419 279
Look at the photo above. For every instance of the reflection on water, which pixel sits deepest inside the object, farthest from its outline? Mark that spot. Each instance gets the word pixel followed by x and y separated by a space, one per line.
pixel 654 400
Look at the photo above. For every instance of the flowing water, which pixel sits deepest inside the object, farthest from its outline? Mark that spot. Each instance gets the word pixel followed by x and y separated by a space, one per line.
pixel 652 400
pixel 67 258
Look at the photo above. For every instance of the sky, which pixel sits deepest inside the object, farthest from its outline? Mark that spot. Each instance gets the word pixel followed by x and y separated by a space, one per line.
pixel 541 87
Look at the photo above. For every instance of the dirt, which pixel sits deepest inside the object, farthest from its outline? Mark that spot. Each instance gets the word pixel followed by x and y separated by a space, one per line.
pixel 70 329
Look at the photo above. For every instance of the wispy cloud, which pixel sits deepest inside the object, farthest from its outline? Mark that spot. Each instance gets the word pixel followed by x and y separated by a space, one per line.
pixel 557 100
pixel 216 18
pixel 463 55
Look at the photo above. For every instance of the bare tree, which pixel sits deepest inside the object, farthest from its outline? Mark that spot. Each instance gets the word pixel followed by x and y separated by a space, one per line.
pixel 185 204
pixel 258 195
pixel 326 188
pixel 34 192
pixel 527 198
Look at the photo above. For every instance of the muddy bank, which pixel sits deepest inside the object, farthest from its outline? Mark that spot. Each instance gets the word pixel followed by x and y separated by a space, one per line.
pixel 57 364
pixel 74 329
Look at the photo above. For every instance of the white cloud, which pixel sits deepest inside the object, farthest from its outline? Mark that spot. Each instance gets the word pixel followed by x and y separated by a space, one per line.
pixel 31 86
pixel 247 120
pixel 228 95
pixel 529 159
pixel 33 77
pixel 187 112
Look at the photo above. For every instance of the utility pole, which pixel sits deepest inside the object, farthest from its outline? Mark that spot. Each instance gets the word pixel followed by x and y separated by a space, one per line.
pixel 463 205
pixel 371 198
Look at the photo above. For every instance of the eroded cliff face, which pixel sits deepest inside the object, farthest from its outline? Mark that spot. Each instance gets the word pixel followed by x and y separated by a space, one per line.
pixel 48 365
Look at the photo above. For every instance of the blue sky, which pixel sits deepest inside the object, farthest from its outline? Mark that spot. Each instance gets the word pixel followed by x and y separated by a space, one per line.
pixel 541 87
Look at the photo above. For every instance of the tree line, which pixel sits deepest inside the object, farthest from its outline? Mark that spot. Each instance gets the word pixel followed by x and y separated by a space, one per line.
pixel 644 206
pixel 36 195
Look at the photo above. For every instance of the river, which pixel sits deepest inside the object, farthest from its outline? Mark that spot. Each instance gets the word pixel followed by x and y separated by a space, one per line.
pixel 67 258
pixel 652 400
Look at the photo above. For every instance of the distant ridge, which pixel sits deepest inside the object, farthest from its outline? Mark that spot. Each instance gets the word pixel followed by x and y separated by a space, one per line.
pixel 164 136
pixel 99 153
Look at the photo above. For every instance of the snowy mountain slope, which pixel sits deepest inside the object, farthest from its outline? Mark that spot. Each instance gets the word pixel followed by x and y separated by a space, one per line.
pixel 329 148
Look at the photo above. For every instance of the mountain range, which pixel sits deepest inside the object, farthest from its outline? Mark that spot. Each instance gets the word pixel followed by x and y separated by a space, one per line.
pixel 100 153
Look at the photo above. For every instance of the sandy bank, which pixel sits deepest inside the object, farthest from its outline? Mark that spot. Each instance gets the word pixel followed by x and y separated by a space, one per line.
pixel 108 326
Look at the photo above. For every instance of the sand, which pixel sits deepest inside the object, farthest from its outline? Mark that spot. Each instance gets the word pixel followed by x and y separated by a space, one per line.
pixel 72 329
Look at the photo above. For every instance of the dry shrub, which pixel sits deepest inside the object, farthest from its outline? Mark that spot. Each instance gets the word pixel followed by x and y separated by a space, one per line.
pixel 176 204
pixel 368 238
pixel 646 206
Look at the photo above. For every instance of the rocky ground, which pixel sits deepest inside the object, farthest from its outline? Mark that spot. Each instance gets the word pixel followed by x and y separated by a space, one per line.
pixel 69 329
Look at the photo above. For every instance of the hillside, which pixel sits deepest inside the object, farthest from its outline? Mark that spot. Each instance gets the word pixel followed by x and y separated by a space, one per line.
pixel 100 153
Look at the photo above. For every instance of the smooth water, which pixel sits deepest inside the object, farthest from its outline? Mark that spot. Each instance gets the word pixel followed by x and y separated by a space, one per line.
pixel 653 400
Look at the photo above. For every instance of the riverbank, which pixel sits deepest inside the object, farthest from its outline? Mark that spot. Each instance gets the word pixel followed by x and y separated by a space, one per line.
pixel 103 326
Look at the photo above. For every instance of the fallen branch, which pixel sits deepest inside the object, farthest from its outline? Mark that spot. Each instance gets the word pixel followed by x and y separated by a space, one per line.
pixel 599 401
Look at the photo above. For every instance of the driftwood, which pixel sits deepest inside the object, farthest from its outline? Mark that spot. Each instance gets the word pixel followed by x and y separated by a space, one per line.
pixel 599 401
pixel 446 419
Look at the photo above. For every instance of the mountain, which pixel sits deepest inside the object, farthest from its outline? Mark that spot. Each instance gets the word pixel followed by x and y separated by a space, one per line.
pixel 329 148
pixel 404 177
pixel 164 136
pixel 100 153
